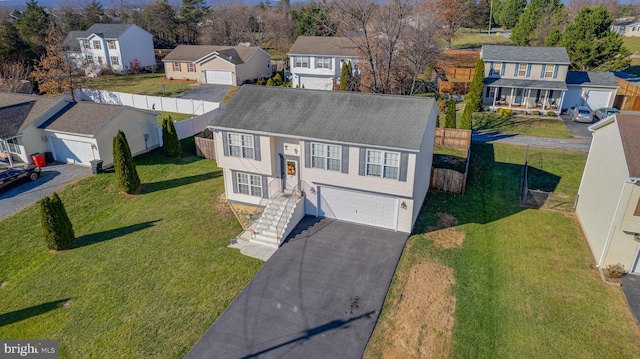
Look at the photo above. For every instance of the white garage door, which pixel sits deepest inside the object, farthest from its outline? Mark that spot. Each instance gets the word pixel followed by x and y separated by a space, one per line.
pixel 69 151
pixel 314 83
pixel 598 99
pixel 573 97
pixel 218 77
pixel 358 207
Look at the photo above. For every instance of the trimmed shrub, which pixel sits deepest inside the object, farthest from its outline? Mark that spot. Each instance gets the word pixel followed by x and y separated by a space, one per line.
pixel 551 113
pixel 170 142
pixel 277 79
pixel 125 168
pixel 56 226
pixel 536 113
pixel 261 82
pixel 270 82
pixel 450 118
pixel 465 120
pixel 614 271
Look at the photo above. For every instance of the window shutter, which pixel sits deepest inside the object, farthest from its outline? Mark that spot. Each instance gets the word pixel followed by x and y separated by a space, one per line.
pixel 234 181
pixel 265 187
pixel 363 161
pixel 488 91
pixel 528 70
pixel 225 143
pixel 256 148
pixel 491 68
pixel 499 92
pixel 538 95
pixel 555 72
pixel 404 159
pixel 345 159
pixel 515 72
pixel 544 69
pixel 307 154
pixel 504 66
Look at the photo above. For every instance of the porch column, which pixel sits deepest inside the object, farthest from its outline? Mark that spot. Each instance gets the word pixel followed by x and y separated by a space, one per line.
pixel 511 97
pixel 561 100
pixel 526 99
pixel 495 94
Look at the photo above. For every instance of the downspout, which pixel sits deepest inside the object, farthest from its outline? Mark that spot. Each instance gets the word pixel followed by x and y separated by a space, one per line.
pixel 605 250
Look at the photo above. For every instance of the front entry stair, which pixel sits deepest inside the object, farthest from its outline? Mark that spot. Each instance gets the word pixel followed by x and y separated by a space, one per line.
pixel 280 216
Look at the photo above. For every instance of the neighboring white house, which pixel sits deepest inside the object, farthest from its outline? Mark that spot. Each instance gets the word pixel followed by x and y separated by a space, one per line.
pixel 316 61
pixel 74 132
pixel 111 46
pixel 626 27
pixel 529 78
pixel 225 65
pixel 357 157
pixel 608 205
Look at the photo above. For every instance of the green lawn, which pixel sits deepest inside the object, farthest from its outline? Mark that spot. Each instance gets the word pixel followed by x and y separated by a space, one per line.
pixel 520 125
pixel 633 44
pixel 143 84
pixel 174 116
pixel 524 287
pixel 148 275
pixel 476 40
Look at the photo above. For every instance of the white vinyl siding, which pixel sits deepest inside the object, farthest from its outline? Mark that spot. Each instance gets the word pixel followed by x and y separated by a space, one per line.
pixel 301 61
pixel 241 145
pixel 383 164
pixel 249 184
pixel 326 157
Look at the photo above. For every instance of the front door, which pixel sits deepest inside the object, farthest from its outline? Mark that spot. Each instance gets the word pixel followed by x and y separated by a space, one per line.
pixel 291 173
pixel 518 99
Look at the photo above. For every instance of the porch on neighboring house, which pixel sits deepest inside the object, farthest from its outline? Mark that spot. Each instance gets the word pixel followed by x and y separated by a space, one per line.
pixel 524 95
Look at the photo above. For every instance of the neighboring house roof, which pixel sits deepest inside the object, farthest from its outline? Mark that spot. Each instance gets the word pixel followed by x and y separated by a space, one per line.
pixel 17 111
pixel 192 53
pixel 521 83
pixel 629 126
pixel 595 79
pixel 625 22
pixel 86 118
pixel 323 45
pixel 349 117
pixel 71 42
pixel 528 54
pixel 108 31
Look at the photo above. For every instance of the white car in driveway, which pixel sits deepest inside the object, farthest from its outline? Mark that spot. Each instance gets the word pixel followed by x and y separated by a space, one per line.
pixel 580 114
pixel 605 112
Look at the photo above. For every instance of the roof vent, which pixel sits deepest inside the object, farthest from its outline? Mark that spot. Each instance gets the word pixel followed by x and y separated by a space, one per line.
pixel 230 58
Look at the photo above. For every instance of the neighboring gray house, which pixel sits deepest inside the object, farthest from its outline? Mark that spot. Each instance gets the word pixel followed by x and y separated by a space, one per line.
pixel 363 158
pixel 626 27
pixel 608 205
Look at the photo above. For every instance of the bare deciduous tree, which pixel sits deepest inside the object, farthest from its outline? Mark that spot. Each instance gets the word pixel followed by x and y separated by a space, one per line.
pixel 420 45
pixel 13 76
pixel 55 72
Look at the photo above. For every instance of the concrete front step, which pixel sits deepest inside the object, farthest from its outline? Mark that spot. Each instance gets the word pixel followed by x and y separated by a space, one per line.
pixel 269 240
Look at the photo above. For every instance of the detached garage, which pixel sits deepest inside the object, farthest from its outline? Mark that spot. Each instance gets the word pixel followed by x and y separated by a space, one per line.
pixel 84 131
pixel 592 89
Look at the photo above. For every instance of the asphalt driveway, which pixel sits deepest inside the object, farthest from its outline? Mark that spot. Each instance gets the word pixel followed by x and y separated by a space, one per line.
pixel 206 92
pixel 53 178
pixel 318 296
pixel 577 129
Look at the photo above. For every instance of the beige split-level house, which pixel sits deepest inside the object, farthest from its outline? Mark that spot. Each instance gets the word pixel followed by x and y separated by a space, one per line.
pixel 224 65
pixel 608 205
pixel 363 158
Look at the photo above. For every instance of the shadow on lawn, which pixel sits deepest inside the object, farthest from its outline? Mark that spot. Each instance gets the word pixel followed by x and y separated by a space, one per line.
pixel 177 182
pixel 98 237
pixel 26 313
pixel 493 191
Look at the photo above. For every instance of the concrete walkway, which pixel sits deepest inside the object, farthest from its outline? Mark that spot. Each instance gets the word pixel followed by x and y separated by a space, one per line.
pixel 318 296
pixel 571 144
pixel 631 290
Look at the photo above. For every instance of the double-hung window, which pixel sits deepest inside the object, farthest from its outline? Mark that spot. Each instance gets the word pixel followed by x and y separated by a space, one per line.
pixel 383 164
pixel 328 157
pixel 96 44
pixel 176 66
pixel 249 184
pixel 522 70
pixel 323 63
pixel 548 72
pixel 111 44
pixel 115 61
pixel 85 44
pixel 241 145
pixel 192 67
pixel 497 69
pixel 301 61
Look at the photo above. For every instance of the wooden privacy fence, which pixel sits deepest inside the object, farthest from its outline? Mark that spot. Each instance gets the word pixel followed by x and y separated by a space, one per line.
pixel 453 137
pixel 459 74
pixel 205 146
pixel 628 96
pixel 446 180
pixel 454 88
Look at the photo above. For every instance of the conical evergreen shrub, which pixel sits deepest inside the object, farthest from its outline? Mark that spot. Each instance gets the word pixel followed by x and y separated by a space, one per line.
pixel 56 226
pixel 126 174
pixel 170 142
pixel 450 117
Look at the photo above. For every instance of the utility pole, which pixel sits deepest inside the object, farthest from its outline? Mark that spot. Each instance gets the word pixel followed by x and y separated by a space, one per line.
pixel 490 15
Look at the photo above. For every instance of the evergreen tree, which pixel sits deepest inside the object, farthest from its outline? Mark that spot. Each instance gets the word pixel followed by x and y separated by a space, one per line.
pixel 12 46
pixel 191 14
pixel 473 100
pixel 590 43
pixel 554 38
pixel 56 226
pixel 170 142
pixel 508 12
pixel 344 77
pixel 450 117
pixel 33 24
pixel 532 17
pixel 94 14
pixel 126 173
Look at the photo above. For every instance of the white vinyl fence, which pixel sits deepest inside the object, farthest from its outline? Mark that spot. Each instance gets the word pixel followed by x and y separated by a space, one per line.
pixel 153 103
pixel 188 128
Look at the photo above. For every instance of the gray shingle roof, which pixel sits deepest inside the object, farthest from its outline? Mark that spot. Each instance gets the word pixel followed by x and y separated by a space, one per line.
pixel 520 83
pixel 596 79
pixel 528 54
pixel 108 31
pixel 85 118
pixel 359 118
pixel 18 111
pixel 629 126
pixel 191 53
pixel 323 45
pixel 71 42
